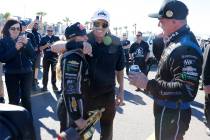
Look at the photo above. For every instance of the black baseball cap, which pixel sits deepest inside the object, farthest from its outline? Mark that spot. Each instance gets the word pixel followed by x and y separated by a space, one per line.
pixel 171 9
pixel 77 29
pixel 24 22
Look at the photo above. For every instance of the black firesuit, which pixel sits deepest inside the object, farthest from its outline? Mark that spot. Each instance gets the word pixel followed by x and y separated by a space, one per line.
pixel 176 85
pixel 206 82
pixel 74 76
pixel 100 92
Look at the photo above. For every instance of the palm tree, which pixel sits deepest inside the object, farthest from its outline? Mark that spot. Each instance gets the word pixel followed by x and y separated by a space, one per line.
pixel 120 29
pixel 115 28
pixel 41 15
pixel 67 21
pixel 6 15
pixel 134 25
pixel 126 29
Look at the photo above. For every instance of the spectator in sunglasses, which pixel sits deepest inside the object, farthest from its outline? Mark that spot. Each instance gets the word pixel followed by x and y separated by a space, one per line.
pixel 106 62
pixel 50 58
pixel 17 52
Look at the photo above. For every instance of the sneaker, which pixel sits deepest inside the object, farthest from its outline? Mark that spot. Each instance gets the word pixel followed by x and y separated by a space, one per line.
pixel 138 89
pixel 2 100
pixel 55 88
pixel 44 89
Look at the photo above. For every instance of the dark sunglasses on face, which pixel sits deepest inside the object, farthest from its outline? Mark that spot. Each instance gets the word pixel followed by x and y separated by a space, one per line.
pixel 100 24
pixel 50 30
pixel 15 28
pixel 138 35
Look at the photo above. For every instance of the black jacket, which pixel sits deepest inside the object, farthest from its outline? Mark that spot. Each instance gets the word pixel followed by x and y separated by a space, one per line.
pixel 35 38
pixel 206 66
pixel 48 54
pixel 179 70
pixel 16 61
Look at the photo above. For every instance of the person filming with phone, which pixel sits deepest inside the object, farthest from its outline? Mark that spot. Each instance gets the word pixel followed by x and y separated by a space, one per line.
pixel 17 52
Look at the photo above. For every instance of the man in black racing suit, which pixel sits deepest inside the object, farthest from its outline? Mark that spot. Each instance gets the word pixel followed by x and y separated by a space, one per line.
pixel 73 70
pixel 177 79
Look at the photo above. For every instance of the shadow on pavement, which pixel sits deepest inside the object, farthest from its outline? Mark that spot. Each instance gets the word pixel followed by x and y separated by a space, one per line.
pixel 195 112
pixel 133 98
pixel 44 108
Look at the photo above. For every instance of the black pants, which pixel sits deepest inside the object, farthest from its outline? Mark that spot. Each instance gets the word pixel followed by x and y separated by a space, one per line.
pixel 171 124
pixel 19 86
pixel 127 66
pixel 46 66
pixel 207 109
pixel 106 101
pixel 143 68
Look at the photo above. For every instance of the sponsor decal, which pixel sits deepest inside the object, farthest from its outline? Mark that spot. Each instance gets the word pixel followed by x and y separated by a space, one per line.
pixel 74 104
pixel 189 57
pixel 188 62
pixel 189 69
pixel 185 76
pixel 73 62
pixel 171 93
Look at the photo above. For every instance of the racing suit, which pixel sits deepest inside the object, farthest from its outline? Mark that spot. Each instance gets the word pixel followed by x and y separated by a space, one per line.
pixel 176 85
pixel 70 105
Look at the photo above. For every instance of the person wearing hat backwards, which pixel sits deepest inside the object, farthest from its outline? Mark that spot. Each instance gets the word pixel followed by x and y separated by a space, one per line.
pixel 179 70
pixel 72 67
pixel 106 62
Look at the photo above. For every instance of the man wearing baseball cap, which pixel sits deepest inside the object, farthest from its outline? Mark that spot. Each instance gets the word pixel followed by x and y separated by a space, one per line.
pixel 177 79
pixel 72 68
pixel 106 62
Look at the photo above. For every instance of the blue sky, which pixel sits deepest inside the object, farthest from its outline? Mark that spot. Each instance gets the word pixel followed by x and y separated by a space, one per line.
pixel 123 12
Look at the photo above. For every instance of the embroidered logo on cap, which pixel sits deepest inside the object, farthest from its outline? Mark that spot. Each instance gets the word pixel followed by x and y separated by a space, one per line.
pixel 169 13
pixel 81 27
pixel 102 14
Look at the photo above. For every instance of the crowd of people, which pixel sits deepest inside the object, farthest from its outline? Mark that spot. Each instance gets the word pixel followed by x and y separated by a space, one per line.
pixel 89 64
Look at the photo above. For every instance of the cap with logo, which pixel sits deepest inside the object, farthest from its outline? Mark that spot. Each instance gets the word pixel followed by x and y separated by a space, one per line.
pixel 171 9
pixel 101 14
pixel 77 29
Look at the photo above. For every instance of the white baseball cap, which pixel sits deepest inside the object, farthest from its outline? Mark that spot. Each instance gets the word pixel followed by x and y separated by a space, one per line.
pixel 101 14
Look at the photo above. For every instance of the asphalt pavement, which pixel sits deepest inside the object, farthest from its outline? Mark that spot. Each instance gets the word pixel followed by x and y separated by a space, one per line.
pixel 133 121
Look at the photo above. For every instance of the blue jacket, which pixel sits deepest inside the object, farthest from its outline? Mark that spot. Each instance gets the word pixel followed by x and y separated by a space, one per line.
pixel 16 61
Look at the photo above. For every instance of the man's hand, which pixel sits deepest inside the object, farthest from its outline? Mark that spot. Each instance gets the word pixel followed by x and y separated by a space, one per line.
pixel 81 123
pixel 58 47
pixel 120 99
pixel 87 48
pixel 138 79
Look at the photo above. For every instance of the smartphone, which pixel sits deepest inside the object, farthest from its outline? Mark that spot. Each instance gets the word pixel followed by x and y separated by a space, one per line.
pixel 37 18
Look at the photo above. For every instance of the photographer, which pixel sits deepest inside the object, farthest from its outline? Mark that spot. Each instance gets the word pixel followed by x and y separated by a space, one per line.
pixel 17 52
pixel 50 58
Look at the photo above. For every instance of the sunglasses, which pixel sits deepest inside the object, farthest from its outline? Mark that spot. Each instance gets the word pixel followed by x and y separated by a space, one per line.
pixel 15 28
pixel 101 24
pixel 138 35
pixel 50 30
